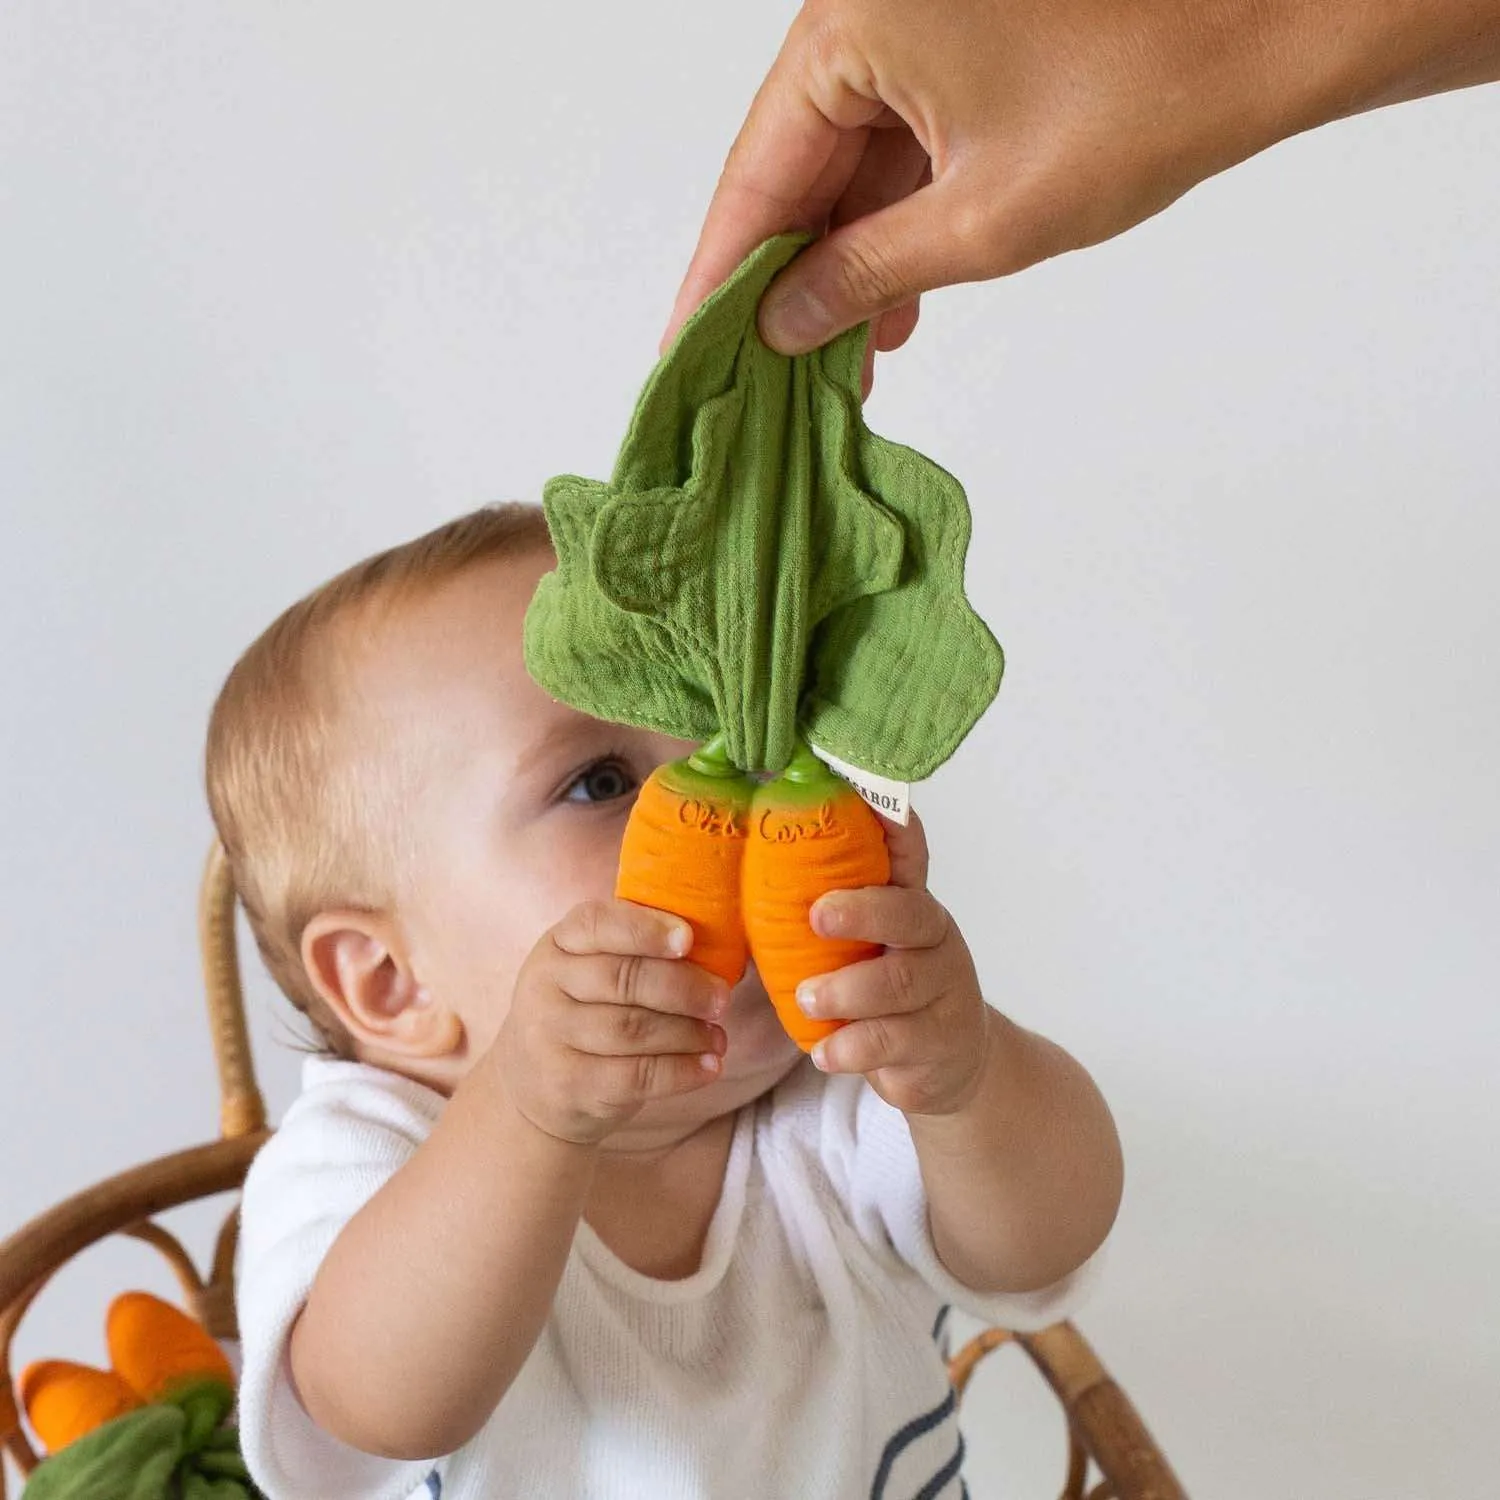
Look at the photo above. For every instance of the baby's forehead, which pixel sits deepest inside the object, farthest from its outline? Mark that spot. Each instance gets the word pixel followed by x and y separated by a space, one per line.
pixel 451 622
pixel 442 654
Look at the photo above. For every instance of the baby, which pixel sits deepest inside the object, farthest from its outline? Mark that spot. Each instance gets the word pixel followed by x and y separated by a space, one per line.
pixel 556 1213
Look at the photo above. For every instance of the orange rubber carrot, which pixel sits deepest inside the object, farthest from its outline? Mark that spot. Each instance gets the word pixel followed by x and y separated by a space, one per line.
pixel 155 1347
pixel 810 832
pixel 682 852
pixel 66 1401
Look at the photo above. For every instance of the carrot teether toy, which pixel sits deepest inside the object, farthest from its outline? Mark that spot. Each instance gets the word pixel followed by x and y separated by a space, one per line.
pixel 761 573
pixel 683 849
pixel 810 832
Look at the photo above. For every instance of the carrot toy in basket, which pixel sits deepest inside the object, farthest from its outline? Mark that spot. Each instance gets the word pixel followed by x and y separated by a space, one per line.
pixel 150 1427
pixel 764 575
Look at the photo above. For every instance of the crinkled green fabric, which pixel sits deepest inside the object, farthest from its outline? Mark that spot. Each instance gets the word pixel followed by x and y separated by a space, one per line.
pixel 172 1450
pixel 761 563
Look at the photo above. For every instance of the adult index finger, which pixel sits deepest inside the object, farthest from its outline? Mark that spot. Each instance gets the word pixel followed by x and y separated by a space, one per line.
pixel 790 163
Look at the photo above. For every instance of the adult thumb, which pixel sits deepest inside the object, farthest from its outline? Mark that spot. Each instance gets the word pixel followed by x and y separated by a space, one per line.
pixel 862 269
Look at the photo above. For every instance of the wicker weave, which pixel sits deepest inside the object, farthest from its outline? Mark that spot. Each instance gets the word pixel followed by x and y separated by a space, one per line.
pixel 1104 1432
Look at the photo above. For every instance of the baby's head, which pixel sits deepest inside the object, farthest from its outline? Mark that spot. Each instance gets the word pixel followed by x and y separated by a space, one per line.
pixel 406 813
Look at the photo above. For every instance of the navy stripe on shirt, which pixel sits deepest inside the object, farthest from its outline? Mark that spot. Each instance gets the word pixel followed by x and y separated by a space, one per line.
pixel 905 1437
pixel 944 1476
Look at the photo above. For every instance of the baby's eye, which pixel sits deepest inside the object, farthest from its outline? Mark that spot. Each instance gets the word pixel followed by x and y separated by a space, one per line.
pixel 604 781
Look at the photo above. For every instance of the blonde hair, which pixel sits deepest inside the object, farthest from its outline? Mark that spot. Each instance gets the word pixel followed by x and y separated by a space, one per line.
pixel 289 794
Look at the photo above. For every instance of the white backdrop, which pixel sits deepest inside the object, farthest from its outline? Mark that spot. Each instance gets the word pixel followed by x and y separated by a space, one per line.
pixel 281 285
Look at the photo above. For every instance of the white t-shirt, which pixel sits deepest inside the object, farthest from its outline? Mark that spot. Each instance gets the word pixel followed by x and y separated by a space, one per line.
pixel 802 1359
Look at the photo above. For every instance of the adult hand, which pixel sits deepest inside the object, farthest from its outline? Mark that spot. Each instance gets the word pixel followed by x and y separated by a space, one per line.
pixel 938 141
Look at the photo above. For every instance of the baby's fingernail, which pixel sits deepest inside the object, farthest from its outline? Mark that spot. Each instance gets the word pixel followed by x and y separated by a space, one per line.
pixel 807 998
pixel 679 940
pixel 819 1055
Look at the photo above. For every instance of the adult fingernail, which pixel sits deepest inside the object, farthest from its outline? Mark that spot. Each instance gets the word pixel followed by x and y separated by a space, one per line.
pixel 825 917
pixel 679 939
pixel 819 1055
pixel 795 320
pixel 807 998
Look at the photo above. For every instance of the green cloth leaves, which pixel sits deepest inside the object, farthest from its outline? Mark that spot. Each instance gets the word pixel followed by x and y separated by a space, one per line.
pixel 171 1450
pixel 761 562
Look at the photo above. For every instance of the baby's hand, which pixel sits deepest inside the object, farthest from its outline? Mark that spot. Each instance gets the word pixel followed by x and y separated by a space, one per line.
pixel 607 1014
pixel 917 1025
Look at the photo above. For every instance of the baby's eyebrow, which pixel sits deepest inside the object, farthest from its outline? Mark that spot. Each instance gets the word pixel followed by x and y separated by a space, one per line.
pixel 555 742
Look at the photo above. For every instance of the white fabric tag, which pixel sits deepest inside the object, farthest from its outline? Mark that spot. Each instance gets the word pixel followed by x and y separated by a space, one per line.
pixel 891 799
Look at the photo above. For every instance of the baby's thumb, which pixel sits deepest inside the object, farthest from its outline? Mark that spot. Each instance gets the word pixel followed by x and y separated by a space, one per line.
pixel 856 272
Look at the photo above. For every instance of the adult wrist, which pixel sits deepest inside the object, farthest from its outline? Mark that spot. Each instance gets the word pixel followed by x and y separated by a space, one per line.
pixel 1336 58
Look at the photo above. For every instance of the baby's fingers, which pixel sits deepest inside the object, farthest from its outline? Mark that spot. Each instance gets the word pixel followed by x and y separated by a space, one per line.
pixel 623 1082
pixel 895 984
pixel 622 927
pixel 625 980
pixel 889 915
pixel 617 1031
pixel 865 1046
pixel 907 846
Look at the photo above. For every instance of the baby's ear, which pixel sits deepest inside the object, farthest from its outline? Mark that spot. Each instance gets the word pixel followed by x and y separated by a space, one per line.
pixel 357 962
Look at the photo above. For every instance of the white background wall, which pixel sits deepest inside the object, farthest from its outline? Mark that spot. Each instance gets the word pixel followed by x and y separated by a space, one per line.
pixel 281 285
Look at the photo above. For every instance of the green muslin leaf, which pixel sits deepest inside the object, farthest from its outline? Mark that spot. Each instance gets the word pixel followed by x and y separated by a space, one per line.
pixel 204 1403
pixel 760 560
pixel 922 637
pixel 153 1453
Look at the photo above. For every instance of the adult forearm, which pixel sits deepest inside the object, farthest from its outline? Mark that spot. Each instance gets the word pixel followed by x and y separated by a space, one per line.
pixel 1337 58
pixel 430 1300
pixel 1014 130
pixel 1024 1182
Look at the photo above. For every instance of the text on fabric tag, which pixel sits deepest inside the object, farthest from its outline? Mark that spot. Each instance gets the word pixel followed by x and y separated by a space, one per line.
pixel 891 799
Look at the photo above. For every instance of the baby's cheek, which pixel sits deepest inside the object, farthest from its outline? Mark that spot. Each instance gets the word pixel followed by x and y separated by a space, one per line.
pixel 584 865
pixel 556 893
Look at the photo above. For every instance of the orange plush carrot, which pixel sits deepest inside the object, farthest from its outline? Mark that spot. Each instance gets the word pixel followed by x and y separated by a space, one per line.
pixel 810 833
pixel 156 1348
pixel 152 1425
pixel 682 852
pixel 64 1401
pixel 156 1352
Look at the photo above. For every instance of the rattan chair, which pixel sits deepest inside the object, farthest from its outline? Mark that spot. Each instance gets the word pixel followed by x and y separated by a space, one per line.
pixel 1104 1432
